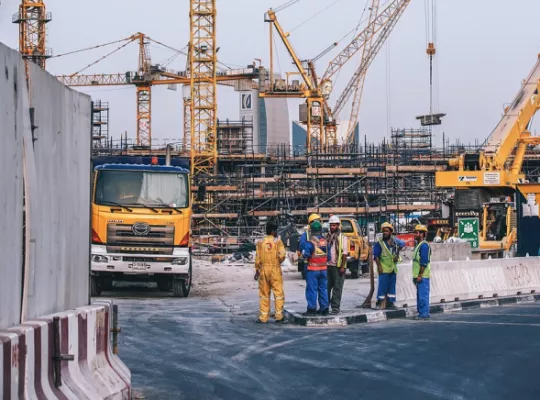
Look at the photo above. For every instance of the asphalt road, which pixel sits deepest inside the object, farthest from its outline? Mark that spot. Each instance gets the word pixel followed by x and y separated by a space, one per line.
pixel 210 348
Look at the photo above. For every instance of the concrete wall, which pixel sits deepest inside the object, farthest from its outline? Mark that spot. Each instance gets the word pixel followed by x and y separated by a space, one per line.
pixel 443 252
pixel 57 180
pixel 12 102
pixel 467 280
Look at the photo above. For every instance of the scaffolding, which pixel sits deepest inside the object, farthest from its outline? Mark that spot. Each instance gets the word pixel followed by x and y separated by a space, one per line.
pixel 412 139
pixel 235 137
pixel 100 124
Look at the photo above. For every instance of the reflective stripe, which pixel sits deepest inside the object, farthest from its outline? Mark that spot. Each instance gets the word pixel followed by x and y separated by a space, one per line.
pixel 265 298
pixel 311 268
pixel 392 296
pixel 381 297
pixel 280 298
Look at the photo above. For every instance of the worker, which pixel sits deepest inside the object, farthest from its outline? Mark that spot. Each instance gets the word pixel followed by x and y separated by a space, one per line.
pixel 305 236
pixel 337 262
pixel 421 271
pixel 386 255
pixel 315 252
pixel 270 253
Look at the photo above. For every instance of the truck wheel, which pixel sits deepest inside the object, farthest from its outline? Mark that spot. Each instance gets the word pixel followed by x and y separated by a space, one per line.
pixel 95 286
pixel 354 270
pixel 107 284
pixel 182 287
pixel 164 285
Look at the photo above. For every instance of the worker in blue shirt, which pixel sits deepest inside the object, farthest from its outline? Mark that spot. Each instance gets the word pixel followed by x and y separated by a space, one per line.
pixel 386 255
pixel 304 238
pixel 422 271
pixel 316 253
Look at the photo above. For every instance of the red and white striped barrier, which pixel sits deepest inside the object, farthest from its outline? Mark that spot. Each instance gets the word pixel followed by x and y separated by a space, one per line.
pixel 86 369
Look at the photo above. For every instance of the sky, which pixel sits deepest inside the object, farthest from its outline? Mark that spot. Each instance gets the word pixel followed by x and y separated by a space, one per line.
pixel 485 48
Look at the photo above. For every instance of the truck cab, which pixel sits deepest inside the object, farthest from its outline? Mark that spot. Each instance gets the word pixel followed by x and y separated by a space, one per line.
pixel 141 221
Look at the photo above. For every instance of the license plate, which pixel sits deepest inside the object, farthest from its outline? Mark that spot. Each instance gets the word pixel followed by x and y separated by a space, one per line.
pixel 139 266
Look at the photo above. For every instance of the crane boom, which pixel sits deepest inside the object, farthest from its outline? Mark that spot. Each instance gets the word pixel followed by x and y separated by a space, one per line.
pixel 502 140
pixel 394 7
pixel 359 83
pixel 370 56
pixel 491 166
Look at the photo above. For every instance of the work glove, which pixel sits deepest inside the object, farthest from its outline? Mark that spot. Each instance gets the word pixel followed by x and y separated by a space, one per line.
pixel 256 277
pixel 341 271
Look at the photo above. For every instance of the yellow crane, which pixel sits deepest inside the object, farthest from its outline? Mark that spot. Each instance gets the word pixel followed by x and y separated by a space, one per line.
pixel 319 116
pixel 369 41
pixel 32 19
pixel 144 78
pixel 485 179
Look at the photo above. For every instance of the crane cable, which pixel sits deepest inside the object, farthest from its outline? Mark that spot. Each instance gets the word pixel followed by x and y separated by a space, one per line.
pixel 100 59
pixel 430 49
pixel 130 39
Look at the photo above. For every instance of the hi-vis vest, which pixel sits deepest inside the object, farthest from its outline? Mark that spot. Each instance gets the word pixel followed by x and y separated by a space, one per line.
pixel 339 252
pixel 387 259
pixel 319 259
pixel 416 262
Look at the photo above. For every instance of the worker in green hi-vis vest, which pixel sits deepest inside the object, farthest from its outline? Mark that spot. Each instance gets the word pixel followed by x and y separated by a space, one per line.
pixel 386 256
pixel 421 271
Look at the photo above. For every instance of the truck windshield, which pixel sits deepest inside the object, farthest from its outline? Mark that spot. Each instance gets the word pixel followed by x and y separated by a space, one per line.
pixel 142 188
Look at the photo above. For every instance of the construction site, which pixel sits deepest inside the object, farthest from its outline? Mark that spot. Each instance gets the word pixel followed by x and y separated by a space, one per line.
pixel 257 164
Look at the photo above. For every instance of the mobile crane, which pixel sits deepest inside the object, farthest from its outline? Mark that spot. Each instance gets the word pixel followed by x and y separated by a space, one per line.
pixel 487 181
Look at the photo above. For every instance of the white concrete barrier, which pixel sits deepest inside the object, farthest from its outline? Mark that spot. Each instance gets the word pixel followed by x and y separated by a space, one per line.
pixel 467 280
pixel 27 364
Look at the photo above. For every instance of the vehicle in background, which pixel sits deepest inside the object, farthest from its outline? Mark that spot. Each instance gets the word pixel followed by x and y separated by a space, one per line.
pixel 141 225
pixel 358 247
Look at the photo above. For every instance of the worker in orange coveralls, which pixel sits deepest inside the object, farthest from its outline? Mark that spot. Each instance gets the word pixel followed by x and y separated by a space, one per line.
pixel 270 254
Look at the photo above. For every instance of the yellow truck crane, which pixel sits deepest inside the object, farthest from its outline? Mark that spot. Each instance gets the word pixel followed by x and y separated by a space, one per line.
pixel 486 181
pixel 141 221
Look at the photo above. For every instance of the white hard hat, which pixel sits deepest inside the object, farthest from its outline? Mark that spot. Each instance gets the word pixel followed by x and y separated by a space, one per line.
pixel 334 219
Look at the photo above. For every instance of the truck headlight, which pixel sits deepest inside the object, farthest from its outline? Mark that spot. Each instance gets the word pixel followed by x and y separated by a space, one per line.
pixel 99 258
pixel 180 261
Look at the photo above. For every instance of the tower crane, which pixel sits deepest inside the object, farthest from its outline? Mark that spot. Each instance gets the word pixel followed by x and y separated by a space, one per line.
pixel 144 78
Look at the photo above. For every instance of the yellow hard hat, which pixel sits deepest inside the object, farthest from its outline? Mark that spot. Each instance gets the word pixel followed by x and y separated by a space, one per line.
pixel 421 228
pixel 313 217
pixel 387 225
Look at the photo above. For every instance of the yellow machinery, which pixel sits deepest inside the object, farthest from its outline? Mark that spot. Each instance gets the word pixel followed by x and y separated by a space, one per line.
pixel 319 117
pixel 141 224
pixel 486 181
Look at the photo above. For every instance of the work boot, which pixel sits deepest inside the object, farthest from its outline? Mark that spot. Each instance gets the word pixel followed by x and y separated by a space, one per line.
pixel 281 321
pixel 391 306
pixel 418 318
pixel 259 321
pixel 378 304
pixel 324 312
pixel 334 311
pixel 310 313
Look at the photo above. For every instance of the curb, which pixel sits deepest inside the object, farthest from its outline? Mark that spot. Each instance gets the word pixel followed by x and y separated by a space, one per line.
pixel 382 315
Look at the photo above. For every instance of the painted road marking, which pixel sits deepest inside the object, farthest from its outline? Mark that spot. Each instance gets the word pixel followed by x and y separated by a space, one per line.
pixel 502 314
pixel 483 323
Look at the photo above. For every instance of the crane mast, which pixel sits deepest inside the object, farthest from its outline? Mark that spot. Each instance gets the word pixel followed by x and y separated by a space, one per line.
pixel 203 63
pixel 32 19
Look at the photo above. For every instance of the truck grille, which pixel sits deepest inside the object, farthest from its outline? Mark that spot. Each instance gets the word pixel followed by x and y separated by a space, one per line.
pixel 122 239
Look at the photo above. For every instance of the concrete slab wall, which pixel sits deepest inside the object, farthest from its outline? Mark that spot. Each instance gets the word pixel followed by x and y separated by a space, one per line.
pixel 443 252
pixel 52 275
pixel 59 197
pixel 467 280
pixel 12 94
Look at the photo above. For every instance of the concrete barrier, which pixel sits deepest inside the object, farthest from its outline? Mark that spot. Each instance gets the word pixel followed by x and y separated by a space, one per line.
pixel 467 280
pixel 27 363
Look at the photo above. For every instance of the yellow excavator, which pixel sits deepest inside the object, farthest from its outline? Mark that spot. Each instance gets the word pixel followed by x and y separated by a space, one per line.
pixel 487 181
